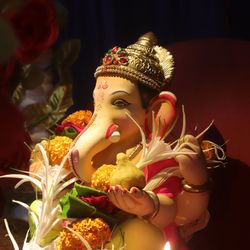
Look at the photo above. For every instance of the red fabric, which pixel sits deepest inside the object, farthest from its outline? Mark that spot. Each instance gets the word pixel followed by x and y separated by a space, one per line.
pixel 172 186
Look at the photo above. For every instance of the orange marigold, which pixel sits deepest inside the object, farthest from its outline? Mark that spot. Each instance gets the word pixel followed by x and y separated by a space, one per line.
pixel 55 148
pixel 80 118
pixel 95 231
pixel 100 179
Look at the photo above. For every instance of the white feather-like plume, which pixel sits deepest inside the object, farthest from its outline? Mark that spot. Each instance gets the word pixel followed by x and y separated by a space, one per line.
pixel 51 181
pixel 156 149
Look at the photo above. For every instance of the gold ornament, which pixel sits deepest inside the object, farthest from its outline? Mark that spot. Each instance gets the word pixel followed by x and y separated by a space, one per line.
pixel 143 62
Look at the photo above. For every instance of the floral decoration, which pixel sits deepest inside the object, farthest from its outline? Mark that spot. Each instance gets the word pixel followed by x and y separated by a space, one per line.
pixel 95 231
pixel 35 26
pixel 100 179
pixel 56 149
pixel 74 123
pixel 28 28
pixel 79 118
pixel 83 217
pixel 68 129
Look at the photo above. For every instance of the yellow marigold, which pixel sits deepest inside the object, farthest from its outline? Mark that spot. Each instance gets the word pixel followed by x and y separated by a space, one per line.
pixel 101 177
pixel 55 148
pixel 95 231
pixel 80 118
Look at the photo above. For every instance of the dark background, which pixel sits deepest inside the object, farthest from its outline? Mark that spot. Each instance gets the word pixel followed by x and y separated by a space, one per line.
pixel 102 24
pixel 210 43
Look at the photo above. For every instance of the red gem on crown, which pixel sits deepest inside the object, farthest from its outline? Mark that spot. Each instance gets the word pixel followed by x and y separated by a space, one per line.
pixel 116 56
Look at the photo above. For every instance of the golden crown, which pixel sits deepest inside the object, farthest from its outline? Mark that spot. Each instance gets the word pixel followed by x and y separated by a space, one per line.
pixel 144 62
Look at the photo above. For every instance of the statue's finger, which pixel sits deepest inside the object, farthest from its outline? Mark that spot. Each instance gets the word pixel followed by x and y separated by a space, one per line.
pixel 136 192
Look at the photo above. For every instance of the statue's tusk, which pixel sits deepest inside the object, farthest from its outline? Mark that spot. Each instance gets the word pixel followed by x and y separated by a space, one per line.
pixel 112 133
pixel 115 136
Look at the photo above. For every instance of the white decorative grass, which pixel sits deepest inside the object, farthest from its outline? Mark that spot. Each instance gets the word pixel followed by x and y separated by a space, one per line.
pixel 51 181
pixel 157 149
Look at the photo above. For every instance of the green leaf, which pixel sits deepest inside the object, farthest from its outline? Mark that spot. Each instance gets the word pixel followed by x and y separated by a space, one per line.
pixel 82 190
pixel 56 98
pixel 74 207
pixel 35 114
pixel 18 94
pixel 48 114
pixel 59 101
pixel 32 76
pixel 70 132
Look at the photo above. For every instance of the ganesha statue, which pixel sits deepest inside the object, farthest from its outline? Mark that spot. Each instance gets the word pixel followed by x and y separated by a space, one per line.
pixel 133 190
pixel 166 188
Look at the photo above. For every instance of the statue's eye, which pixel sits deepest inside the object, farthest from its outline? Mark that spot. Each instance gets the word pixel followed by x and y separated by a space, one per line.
pixel 120 103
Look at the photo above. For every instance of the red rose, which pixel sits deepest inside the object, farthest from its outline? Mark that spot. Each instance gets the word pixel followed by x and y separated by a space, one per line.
pixel 101 202
pixel 35 26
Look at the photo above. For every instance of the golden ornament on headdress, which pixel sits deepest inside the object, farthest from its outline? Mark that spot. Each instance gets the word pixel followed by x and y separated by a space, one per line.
pixel 143 62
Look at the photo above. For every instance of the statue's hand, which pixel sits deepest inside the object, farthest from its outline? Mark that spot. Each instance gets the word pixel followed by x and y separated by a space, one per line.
pixel 193 165
pixel 134 201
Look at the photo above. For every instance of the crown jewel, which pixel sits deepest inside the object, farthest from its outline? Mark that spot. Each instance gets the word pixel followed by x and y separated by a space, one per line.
pixel 144 62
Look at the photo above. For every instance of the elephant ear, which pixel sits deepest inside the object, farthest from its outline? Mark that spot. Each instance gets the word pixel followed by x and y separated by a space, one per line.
pixel 165 114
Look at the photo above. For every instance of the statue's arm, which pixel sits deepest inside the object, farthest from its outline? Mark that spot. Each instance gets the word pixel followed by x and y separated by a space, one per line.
pixel 192 202
pixel 160 209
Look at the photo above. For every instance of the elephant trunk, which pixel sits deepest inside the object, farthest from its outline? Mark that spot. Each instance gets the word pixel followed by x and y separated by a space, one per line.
pixel 94 139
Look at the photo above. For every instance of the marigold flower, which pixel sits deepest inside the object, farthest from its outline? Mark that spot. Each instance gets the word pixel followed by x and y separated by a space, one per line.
pixel 101 177
pixel 95 231
pixel 80 118
pixel 56 149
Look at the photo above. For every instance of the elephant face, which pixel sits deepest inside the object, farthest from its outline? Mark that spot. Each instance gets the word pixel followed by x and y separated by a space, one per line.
pixel 111 130
pixel 114 97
